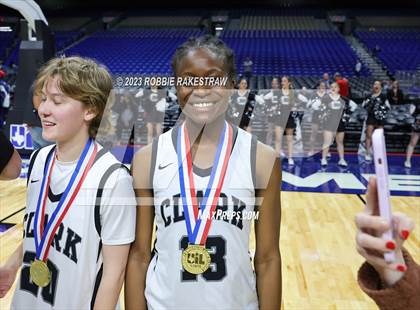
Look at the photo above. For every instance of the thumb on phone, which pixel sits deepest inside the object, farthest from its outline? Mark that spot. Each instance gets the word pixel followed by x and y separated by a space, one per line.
pixel 372 202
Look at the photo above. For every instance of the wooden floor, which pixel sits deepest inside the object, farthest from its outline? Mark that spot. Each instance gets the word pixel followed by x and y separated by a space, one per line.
pixel 319 260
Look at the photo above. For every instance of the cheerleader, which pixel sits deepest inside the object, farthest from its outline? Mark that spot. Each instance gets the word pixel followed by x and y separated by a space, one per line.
pixel 285 119
pixel 336 112
pixel 415 110
pixel 154 102
pixel 318 110
pixel 242 105
pixel 302 100
pixel 377 106
pixel 271 100
pixel 127 112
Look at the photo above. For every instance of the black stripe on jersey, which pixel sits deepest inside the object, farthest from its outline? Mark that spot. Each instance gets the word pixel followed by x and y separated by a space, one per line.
pixel 153 159
pixel 31 164
pixel 49 154
pixel 99 250
pixel 202 172
pixel 253 158
pixel 53 197
pixel 106 175
pixel 235 135
pixel 205 172
pixel 101 152
pixel 97 218
pixel 95 289
pixel 174 136
pixel 154 252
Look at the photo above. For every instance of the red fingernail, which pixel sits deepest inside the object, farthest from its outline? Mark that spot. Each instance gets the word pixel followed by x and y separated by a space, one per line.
pixel 401 268
pixel 405 234
pixel 390 245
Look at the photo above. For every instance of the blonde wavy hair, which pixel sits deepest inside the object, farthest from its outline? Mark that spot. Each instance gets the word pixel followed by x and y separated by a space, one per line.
pixel 84 80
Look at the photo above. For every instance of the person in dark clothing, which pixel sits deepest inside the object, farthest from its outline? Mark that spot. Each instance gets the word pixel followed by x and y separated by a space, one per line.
pixel 336 115
pixel 4 98
pixel 377 106
pixel 395 95
pixel 10 162
pixel 127 111
pixel 242 106
pixel 415 134
pixel 247 64
pixel 315 104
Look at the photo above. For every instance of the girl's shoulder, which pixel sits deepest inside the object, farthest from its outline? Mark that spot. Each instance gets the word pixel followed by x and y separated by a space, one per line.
pixel 266 158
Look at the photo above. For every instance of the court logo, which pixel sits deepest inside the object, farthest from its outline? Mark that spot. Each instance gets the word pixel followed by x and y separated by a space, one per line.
pixel 20 137
pixel 337 182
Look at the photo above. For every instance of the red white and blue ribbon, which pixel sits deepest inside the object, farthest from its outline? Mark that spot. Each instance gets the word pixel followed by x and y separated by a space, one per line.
pixel 43 237
pixel 198 220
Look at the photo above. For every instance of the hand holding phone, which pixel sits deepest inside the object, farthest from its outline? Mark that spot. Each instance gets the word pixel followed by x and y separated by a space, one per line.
pixel 381 170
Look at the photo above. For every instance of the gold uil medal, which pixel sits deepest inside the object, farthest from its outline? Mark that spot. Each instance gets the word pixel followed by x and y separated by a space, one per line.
pixel 195 259
pixel 40 274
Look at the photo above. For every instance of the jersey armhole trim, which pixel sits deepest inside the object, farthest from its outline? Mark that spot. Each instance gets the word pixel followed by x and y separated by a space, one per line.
pixel 153 160
pixel 96 287
pixel 253 159
pixel 33 161
pixel 31 164
pixel 104 179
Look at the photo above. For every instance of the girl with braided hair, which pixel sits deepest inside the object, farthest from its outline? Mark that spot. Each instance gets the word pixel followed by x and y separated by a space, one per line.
pixel 201 260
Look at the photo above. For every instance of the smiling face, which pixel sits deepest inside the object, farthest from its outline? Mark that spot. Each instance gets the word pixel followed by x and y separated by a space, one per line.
pixel 62 117
pixel 203 104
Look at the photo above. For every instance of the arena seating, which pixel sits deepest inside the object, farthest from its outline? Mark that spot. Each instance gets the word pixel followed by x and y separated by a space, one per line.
pixel 129 51
pixel 65 38
pixel 388 21
pixel 160 22
pixel 282 23
pixel 62 40
pixel 295 53
pixel 399 50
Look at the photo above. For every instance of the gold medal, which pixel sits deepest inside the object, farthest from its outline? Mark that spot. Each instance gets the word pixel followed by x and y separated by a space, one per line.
pixel 195 259
pixel 40 274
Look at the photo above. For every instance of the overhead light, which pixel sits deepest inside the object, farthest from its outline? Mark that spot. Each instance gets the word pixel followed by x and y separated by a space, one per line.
pixel 218 28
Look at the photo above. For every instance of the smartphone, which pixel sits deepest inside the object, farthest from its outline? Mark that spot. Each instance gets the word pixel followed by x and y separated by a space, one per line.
pixel 381 170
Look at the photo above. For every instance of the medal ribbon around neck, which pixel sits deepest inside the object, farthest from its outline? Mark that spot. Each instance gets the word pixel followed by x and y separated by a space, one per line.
pixel 43 238
pixel 197 229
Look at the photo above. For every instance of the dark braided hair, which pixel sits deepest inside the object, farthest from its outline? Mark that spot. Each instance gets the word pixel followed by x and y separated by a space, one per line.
pixel 211 43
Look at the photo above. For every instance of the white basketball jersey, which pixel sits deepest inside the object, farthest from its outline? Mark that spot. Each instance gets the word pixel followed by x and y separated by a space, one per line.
pixel 75 255
pixel 230 282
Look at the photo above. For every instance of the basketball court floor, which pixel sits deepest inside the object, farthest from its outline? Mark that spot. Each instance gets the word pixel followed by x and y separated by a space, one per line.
pixel 317 235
